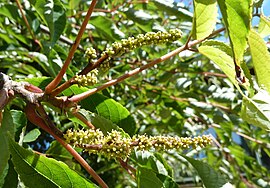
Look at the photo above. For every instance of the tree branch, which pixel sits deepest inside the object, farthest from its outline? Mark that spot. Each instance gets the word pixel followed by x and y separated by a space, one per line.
pixel 79 97
pixel 42 120
pixel 60 75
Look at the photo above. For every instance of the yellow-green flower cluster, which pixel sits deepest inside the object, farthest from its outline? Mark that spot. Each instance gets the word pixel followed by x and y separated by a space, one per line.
pixel 126 45
pixel 115 145
pixel 87 80
pixel 91 54
pixel 105 65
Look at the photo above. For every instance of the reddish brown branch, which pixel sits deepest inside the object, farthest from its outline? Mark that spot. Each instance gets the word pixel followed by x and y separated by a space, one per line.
pixel 43 121
pixel 87 69
pixel 130 170
pixel 60 75
pixel 79 97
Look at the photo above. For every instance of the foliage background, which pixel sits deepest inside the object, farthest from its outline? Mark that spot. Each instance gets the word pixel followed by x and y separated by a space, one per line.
pixel 187 95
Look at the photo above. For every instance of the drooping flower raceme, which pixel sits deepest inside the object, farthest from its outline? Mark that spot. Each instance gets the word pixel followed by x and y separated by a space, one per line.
pixel 117 145
pixel 124 46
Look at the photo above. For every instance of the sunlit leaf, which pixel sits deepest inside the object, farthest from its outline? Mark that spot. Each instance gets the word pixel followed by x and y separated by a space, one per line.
pixel 237 16
pixel 147 178
pixel 205 17
pixel 31 136
pixel 256 110
pixel 155 162
pixel 264 26
pixel 58 152
pixel 105 125
pixel 260 58
pixel 220 54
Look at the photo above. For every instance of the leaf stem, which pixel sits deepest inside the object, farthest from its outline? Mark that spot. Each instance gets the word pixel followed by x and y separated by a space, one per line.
pixel 60 75
pixel 130 170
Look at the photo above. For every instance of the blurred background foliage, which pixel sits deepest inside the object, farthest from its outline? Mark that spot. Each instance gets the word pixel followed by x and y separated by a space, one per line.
pixel 187 95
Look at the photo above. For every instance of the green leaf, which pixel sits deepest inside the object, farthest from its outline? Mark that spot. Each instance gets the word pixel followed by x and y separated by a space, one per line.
pixel 112 110
pixel 43 61
pixel 256 110
pixel 3 175
pixel 10 11
pixel 11 179
pixel 105 125
pixel 141 18
pixel 147 178
pixel 6 127
pixel 171 8
pixel 237 16
pixel 40 82
pixel 53 14
pixel 19 37
pixel 209 177
pixel 19 120
pixel 220 53
pixel 167 181
pixel 238 153
pixel 205 18
pixel 264 26
pixel 106 27
pixel 58 152
pixel 38 171
pixel 260 59
pixel 32 135
pixel 154 162
pixel 107 108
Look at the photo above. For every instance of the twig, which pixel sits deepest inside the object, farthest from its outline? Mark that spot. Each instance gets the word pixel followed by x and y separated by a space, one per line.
pixel 87 69
pixel 267 145
pixel 60 75
pixel 213 74
pixel 90 66
pixel 79 97
pixel 81 161
pixel 130 170
pixel 25 20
